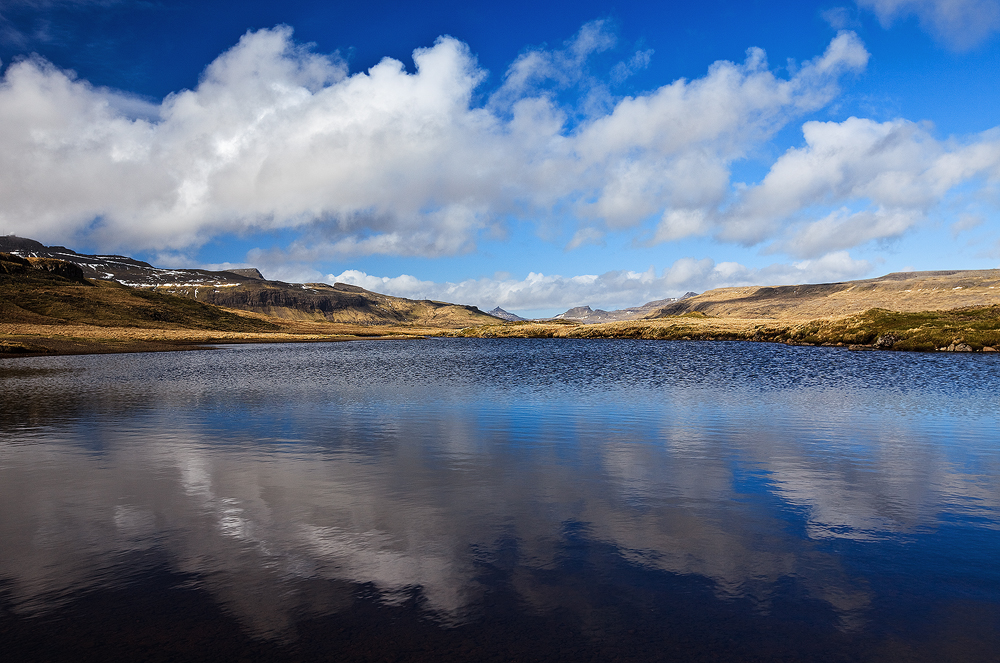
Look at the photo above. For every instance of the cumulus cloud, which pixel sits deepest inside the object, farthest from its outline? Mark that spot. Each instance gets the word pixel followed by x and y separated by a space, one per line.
pixel 875 181
pixel 383 161
pixel 388 162
pixel 961 24
pixel 617 289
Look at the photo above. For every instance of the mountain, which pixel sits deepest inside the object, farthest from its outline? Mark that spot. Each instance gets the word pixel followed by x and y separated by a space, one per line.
pixel 900 291
pixel 246 289
pixel 590 316
pixel 504 315
pixel 50 292
pixel 124 270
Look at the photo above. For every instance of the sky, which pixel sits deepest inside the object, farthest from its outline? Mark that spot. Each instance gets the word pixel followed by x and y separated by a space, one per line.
pixel 531 156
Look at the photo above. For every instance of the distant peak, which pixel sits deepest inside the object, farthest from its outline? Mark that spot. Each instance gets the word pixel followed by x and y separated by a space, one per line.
pixel 504 315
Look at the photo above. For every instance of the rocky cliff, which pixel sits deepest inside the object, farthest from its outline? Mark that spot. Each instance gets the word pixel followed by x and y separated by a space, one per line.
pixel 247 289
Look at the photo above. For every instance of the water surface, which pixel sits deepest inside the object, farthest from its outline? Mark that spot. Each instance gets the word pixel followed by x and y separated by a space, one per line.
pixel 470 499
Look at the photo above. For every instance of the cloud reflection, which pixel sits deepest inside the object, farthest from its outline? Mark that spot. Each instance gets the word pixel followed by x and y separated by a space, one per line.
pixel 741 492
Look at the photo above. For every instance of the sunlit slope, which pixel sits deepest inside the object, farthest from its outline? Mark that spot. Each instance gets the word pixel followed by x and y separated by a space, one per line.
pixel 247 290
pixel 337 303
pixel 42 291
pixel 903 291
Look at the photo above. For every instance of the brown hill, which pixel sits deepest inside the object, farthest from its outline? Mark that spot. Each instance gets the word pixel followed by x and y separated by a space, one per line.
pixel 901 291
pixel 246 289
pixel 331 303
pixel 44 291
pixel 47 307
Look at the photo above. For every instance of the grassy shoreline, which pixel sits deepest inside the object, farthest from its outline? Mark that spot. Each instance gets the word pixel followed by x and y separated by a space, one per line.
pixel 970 329
pixel 20 340
pixel 48 308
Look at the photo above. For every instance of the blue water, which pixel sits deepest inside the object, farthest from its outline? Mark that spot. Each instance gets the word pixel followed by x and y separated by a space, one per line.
pixel 468 499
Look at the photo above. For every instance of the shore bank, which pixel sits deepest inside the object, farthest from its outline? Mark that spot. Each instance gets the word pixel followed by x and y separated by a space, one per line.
pixel 23 340
pixel 973 329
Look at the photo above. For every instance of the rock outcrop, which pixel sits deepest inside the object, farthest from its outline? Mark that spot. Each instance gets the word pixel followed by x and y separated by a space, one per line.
pixel 247 289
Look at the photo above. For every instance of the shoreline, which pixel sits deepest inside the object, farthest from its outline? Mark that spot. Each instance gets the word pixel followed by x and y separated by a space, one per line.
pixel 19 340
pixel 975 330
pixel 971 329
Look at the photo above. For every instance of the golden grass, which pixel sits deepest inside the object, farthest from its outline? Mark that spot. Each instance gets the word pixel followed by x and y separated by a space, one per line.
pixel 22 339
pixel 44 313
pixel 912 292
pixel 975 327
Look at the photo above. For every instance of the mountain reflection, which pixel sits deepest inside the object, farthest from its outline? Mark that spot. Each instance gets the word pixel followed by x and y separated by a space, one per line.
pixel 258 493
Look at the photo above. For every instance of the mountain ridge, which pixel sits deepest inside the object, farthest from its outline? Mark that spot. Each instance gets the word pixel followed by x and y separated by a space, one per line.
pixel 589 316
pixel 897 291
pixel 505 315
pixel 246 289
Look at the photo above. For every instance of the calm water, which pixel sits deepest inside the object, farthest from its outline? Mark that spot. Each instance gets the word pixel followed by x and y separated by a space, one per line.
pixel 501 500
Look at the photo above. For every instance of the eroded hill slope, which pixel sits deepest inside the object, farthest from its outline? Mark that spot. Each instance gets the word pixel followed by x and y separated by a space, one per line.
pixel 901 291
pixel 246 289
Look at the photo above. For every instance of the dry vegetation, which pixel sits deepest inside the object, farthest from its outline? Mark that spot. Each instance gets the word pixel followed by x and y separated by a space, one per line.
pixel 47 307
pixel 905 291
pixel 976 327
pixel 320 302
pixel 907 311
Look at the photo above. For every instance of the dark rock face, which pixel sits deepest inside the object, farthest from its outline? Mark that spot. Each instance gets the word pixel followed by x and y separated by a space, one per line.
pixel 13 264
pixel 238 289
pixel 885 342
pixel 249 272
pixel 263 297
pixel 12 243
pixel 123 269
pixel 67 270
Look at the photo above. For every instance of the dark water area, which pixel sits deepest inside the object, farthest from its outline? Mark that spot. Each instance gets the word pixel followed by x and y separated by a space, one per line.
pixel 501 500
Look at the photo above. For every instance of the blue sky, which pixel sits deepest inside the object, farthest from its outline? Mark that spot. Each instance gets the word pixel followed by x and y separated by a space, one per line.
pixel 532 157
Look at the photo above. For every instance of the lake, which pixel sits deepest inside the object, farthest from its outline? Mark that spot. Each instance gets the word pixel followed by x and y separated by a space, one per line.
pixel 501 500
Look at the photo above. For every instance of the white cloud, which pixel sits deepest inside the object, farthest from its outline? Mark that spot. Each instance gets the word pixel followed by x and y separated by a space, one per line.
pixel 966 222
pixel 961 24
pixel 536 68
pixel 892 174
pixel 843 229
pixel 639 61
pixel 383 161
pixel 840 18
pixel 538 294
pixel 405 164
pixel 585 236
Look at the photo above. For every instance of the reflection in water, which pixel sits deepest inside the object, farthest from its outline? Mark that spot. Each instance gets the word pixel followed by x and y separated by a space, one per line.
pixel 861 488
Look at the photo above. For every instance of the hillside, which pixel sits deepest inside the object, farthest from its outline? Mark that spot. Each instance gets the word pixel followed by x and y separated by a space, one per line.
pixel 48 307
pixel 952 311
pixel 329 303
pixel 246 289
pixel 901 291
pixel 589 316
pixel 45 291
pixel 48 304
